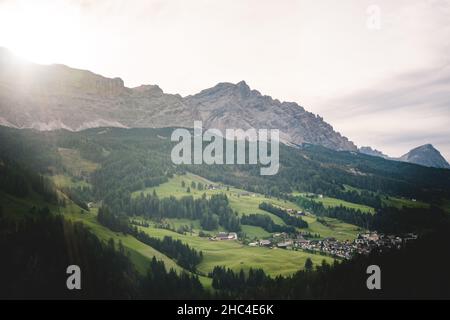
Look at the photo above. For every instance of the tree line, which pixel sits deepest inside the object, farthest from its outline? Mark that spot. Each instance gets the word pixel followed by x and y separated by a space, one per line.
pixel 284 215
pixel 386 219
pixel 21 182
pixel 183 254
pixel 265 222
pixel 212 212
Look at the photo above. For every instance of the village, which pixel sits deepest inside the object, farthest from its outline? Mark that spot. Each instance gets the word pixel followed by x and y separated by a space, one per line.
pixel 362 245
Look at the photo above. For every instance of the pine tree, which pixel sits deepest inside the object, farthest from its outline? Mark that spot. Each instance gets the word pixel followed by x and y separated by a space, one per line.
pixel 308 264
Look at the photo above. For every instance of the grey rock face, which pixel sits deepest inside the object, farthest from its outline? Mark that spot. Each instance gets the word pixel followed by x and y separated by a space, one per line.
pixel 425 155
pixel 56 96
pixel 372 152
pixel 230 105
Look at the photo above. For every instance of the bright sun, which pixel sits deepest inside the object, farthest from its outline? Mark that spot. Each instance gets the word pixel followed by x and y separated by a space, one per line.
pixel 41 31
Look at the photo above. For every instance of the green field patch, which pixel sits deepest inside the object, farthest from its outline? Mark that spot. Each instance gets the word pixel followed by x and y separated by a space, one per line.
pixel 403 202
pixel 194 225
pixel 236 256
pixel 333 202
pixel 253 232
pixel 242 201
pixel 332 228
pixel 245 202
pixel 330 202
pixel 140 253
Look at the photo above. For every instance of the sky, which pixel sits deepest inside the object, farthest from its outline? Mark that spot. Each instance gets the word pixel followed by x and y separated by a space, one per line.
pixel 378 71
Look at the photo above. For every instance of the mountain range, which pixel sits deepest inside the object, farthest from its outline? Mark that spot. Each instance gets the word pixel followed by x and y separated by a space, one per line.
pixel 49 97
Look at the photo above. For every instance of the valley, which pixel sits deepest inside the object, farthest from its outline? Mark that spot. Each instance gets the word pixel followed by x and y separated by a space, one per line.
pixel 127 171
pixel 231 254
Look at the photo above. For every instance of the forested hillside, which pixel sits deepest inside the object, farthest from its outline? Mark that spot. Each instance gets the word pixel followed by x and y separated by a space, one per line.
pixel 116 194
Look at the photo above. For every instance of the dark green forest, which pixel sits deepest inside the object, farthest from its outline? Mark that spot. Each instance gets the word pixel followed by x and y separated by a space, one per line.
pixel 37 250
pixel 132 159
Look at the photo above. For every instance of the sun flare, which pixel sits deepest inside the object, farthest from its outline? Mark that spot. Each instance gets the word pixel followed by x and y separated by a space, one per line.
pixel 41 31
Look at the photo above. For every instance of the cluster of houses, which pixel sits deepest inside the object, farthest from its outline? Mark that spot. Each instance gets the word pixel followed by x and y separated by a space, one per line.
pixel 363 244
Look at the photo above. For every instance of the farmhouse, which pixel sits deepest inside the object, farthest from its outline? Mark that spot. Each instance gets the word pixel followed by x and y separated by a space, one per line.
pixel 225 236
pixel 285 244
pixel 265 243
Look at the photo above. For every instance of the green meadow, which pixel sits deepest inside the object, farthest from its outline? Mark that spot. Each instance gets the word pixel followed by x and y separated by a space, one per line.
pixel 236 256
pixel 330 202
pixel 232 254
pixel 403 202
pixel 247 203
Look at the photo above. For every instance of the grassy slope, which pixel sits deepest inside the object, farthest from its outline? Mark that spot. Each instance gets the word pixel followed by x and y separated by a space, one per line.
pixel 140 254
pixel 333 202
pixel 251 231
pixel 234 255
pixel 402 202
pixel 226 253
pixel 246 203
pixel 333 228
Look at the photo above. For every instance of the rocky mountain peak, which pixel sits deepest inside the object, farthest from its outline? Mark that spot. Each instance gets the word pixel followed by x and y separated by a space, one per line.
pixel 426 155
pixel 243 85
pixel 372 152
pixel 48 97
pixel 149 90
pixel 229 105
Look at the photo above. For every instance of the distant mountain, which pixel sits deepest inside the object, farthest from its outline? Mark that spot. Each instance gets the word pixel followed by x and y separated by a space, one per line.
pixel 425 155
pixel 372 152
pixel 48 97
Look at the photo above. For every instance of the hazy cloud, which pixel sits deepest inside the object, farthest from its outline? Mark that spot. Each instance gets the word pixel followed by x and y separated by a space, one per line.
pixel 400 113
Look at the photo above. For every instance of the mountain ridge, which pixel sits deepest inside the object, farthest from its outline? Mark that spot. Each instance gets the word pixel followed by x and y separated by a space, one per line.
pixel 48 97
